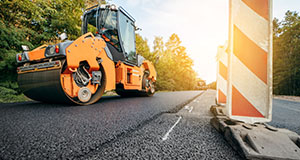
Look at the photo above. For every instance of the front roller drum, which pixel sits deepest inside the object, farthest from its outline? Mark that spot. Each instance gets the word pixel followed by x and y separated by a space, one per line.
pixel 45 86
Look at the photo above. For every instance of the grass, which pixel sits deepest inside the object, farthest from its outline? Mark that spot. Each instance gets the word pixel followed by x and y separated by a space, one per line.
pixel 8 95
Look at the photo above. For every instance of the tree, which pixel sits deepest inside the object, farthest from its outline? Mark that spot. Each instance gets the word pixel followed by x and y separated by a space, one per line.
pixel 174 67
pixel 37 22
pixel 286 49
pixel 90 3
pixel 212 85
pixel 158 48
pixel 142 47
pixel 33 23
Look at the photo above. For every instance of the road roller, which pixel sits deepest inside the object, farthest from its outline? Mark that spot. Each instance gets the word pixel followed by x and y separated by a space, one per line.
pixel 102 59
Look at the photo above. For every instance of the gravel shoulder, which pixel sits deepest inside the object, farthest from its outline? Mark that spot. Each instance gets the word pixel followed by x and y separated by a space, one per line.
pixel 289 98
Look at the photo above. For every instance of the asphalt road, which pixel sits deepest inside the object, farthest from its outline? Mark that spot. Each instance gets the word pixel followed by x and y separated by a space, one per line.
pixel 186 134
pixel 286 115
pixel 34 130
pixel 170 125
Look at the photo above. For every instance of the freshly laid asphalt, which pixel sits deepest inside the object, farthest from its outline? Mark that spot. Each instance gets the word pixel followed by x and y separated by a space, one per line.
pixel 286 114
pixel 169 125
pixel 191 138
pixel 34 130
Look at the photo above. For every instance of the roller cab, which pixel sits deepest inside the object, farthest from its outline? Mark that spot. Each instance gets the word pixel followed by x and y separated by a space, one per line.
pixel 104 58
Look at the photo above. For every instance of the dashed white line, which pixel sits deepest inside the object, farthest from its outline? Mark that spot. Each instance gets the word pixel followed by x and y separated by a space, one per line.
pixel 196 101
pixel 165 137
pixel 187 107
pixel 191 109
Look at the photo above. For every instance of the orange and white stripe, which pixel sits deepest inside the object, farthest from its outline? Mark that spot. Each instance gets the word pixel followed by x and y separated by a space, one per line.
pixel 222 60
pixel 250 61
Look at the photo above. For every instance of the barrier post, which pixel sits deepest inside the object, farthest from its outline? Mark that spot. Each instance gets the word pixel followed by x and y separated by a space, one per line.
pixel 222 60
pixel 249 92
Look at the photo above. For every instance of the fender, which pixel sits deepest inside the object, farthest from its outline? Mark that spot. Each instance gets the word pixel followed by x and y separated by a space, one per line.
pixel 149 66
pixel 89 48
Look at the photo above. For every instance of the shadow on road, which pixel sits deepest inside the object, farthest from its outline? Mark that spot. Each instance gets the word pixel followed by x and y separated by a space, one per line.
pixel 36 104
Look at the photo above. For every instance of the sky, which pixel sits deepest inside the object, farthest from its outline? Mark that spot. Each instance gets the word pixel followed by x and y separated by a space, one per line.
pixel 202 25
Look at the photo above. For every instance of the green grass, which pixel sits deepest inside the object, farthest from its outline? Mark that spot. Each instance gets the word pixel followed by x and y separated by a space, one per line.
pixel 8 95
pixel 10 92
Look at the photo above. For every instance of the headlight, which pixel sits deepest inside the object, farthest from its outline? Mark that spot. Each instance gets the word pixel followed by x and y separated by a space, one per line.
pixel 50 51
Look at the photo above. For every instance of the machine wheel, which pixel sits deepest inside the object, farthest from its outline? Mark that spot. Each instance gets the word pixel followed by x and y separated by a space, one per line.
pixel 85 97
pixel 148 88
pixel 148 85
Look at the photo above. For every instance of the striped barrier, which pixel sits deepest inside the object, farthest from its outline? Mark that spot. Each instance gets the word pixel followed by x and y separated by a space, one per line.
pixel 222 60
pixel 250 61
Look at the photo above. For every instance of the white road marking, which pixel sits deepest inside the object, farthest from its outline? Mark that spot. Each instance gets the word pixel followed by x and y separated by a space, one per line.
pixel 196 101
pixel 191 109
pixel 165 137
pixel 186 107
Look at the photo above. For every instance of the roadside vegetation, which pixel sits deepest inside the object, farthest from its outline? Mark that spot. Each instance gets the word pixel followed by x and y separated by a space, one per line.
pixel 37 22
pixel 212 85
pixel 172 63
pixel 286 55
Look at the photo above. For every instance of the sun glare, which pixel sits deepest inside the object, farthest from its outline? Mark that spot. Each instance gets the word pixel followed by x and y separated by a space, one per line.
pixel 201 25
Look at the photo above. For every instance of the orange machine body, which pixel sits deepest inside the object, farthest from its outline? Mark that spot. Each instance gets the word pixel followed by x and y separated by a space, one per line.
pixel 89 48
pixel 131 76
pixel 80 71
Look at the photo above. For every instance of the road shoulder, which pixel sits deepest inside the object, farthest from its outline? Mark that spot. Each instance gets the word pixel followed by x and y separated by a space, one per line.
pixel 287 98
pixel 186 134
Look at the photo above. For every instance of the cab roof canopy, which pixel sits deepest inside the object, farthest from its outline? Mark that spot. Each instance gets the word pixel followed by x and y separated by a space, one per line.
pixel 111 7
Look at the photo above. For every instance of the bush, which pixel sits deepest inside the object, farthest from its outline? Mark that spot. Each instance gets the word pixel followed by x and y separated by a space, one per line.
pixel 9 95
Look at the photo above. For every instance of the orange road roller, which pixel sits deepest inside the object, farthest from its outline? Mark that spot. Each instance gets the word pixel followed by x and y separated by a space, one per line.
pixel 103 59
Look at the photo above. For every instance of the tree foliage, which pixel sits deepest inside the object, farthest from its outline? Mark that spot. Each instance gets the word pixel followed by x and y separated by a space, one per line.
pixel 173 65
pixel 286 50
pixel 37 22
pixel 212 85
pixel 33 23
